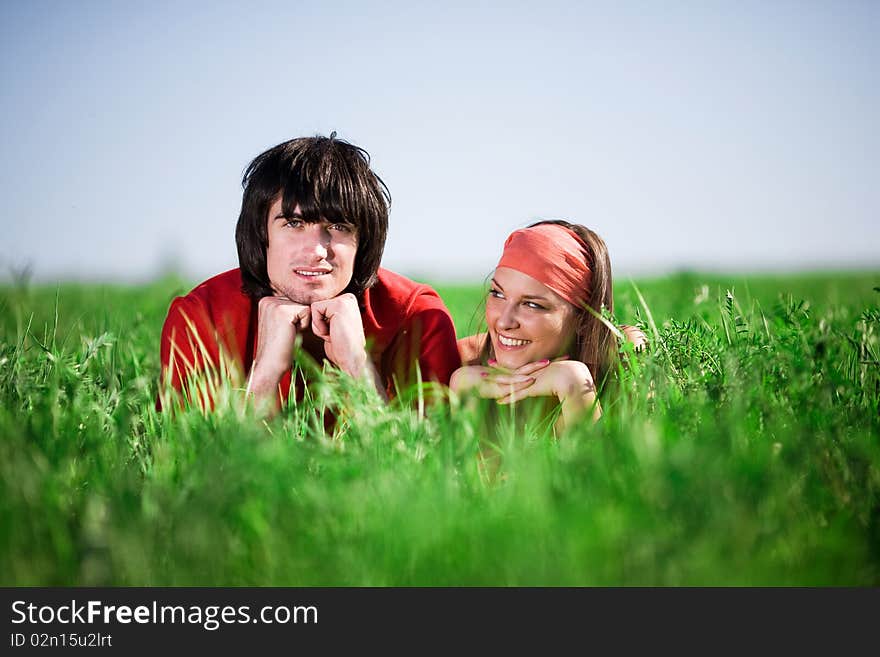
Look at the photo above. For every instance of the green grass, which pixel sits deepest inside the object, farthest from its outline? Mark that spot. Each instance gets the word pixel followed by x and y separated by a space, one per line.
pixel 743 450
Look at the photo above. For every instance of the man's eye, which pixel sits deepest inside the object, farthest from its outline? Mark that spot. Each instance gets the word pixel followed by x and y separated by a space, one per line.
pixel 342 228
pixel 496 293
pixel 536 306
pixel 293 223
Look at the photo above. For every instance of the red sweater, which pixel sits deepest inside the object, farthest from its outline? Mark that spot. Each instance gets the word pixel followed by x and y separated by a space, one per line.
pixel 404 323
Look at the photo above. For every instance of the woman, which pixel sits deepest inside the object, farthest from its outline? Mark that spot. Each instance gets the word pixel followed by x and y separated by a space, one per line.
pixel 546 336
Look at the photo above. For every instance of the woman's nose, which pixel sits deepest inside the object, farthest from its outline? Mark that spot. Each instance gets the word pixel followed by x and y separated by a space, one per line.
pixel 507 319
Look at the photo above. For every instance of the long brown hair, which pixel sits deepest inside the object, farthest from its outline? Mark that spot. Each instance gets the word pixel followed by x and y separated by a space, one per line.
pixel 595 344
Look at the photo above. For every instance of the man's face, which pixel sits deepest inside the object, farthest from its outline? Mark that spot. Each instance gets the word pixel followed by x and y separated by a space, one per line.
pixel 308 262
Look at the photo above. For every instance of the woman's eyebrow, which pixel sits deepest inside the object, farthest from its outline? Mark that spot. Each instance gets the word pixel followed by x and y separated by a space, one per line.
pixel 524 296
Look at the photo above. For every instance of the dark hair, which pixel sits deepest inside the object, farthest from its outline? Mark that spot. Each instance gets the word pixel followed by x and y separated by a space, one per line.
pixel 595 344
pixel 329 179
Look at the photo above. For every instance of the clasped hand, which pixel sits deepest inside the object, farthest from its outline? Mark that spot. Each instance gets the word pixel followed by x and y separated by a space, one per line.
pixel 562 378
pixel 336 321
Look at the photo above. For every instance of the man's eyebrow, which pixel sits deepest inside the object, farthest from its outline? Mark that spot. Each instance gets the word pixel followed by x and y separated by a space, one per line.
pixel 497 284
pixel 293 215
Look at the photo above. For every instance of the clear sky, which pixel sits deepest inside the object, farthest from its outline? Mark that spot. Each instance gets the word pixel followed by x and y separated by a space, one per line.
pixel 717 135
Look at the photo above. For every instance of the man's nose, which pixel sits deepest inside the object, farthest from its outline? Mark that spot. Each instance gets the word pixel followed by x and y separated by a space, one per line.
pixel 318 241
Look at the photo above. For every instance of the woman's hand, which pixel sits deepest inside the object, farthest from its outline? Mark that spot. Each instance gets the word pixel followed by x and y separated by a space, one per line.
pixel 569 381
pixel 635 335
pixel 492 382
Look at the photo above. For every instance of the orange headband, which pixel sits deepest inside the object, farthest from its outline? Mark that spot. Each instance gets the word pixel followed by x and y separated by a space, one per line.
pixel 552 255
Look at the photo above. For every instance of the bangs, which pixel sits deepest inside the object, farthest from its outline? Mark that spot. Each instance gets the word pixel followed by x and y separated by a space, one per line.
pixel 311 209
pixel 324 189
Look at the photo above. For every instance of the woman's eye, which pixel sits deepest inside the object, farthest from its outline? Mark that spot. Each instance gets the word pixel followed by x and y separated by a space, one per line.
pixel 536 306
pixel 342 228
pixel 496 293
pixel 293 223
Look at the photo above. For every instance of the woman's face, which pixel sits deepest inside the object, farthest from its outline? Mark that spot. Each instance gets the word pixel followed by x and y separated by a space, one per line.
pixel 527 321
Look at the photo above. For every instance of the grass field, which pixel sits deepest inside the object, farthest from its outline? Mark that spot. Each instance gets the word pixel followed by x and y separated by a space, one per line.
pixel 744 449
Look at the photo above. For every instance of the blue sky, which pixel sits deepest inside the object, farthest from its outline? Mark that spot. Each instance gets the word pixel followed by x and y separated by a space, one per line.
pixel 724 136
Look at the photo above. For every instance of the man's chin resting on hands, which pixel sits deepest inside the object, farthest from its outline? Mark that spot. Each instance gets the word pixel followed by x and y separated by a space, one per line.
pixel 309 270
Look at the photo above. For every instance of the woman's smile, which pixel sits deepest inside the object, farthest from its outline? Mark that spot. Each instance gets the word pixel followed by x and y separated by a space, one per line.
pixel 511 343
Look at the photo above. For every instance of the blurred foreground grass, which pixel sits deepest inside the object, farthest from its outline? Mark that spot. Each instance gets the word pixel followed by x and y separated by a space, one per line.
pixel 744 450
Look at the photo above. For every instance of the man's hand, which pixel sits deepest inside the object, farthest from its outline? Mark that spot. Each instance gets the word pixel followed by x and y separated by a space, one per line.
pixel 338 323
pixel 278 323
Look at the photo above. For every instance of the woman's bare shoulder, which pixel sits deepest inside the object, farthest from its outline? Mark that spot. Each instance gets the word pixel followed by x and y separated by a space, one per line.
pixel 469 348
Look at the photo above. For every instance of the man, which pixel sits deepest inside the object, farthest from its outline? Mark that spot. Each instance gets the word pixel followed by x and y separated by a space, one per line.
pixel 310 238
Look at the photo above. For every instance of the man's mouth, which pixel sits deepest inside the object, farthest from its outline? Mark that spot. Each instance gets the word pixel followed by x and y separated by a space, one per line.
pixel 512 342
pixel 312 273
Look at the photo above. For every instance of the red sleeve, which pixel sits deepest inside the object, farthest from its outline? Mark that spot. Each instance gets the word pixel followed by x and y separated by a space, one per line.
pixel 427 337
pixel 438 351
pixel 189 352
